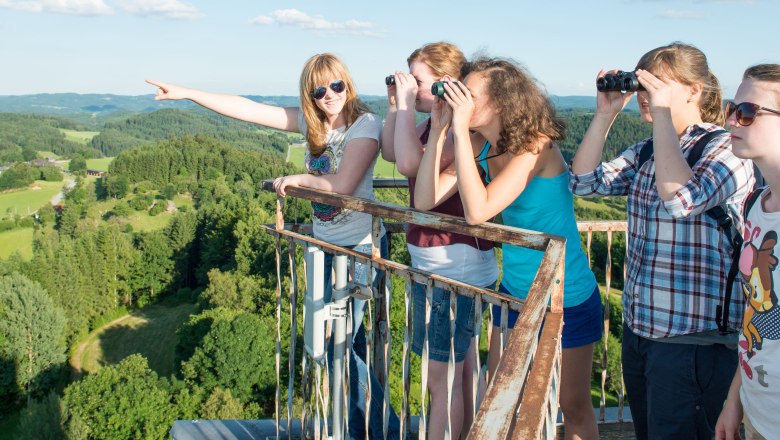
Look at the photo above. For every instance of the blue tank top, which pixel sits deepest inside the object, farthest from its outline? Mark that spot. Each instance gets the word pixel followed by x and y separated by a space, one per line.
pixel 545 205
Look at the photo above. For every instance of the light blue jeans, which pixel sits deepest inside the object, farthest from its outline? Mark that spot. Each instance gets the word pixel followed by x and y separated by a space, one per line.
pixel 359 374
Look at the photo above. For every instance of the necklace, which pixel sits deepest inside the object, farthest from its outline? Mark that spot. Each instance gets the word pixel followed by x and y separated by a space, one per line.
pixel 489 157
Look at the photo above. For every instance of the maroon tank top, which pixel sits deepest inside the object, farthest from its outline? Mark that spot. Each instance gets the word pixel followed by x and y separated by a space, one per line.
pixel 422 236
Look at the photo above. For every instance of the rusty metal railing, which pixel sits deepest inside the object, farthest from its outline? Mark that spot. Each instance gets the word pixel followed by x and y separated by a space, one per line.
pixel 608 227
pixel 521 400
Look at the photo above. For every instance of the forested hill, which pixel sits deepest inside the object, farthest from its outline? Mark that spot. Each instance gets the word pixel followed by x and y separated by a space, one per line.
pixel 22 135
pixel 144 128
pixel 626 131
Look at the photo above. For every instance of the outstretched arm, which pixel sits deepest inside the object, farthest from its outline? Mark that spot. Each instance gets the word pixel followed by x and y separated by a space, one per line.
pixel 237 107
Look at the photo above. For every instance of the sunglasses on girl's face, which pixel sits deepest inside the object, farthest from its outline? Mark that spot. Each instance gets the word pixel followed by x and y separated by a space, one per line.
pixel 745 112
pixel 337 86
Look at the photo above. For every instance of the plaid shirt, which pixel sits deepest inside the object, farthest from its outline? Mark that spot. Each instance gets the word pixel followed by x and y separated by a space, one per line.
pixel 677 259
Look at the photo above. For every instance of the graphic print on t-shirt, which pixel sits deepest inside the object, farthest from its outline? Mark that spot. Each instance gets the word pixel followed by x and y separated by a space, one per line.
pixel 325 163
pixel 761 321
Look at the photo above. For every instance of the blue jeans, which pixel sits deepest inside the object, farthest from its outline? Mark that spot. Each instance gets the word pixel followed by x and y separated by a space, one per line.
pixel 675 391
pixel 439 329
pixel 359 374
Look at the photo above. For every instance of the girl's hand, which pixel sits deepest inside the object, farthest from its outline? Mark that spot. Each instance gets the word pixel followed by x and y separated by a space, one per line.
pixel 280 183
pixel 405 89
pixel 659 91
pixel 611 103
pixel 168 91
pixel 730 417
pixel 441 116
pixel 459 99
pixel 391 93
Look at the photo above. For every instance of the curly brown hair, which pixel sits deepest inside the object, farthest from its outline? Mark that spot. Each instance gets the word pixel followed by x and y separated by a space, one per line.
pixel 526 112
pixel 688 65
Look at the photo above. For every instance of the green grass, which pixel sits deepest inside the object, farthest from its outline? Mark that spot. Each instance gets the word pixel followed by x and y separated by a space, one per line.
pixel 82 137
pixel 44 154
pixel 383 168
pixel 150 332
pixel 16 240
pixel 26 201
pixel 100 164
pixel 143 222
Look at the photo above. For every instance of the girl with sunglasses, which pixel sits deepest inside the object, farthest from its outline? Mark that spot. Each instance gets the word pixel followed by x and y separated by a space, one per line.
pixel 455 256
pixel 342 137
pixel 505 128
pixel 754 120
pixel 676 363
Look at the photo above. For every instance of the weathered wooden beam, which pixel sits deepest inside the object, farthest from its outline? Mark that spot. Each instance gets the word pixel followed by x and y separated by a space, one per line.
pixel 496 416
pixel 488 231
pixel 532 418
pixel 602 225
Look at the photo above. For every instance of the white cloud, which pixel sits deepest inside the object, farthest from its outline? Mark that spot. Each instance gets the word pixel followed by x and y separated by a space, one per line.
pixel 679 15
pixel 262 20
pixel 170 9
pixel 72 7
pixel 294 17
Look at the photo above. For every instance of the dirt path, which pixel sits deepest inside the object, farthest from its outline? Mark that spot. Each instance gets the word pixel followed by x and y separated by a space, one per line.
pixel 75 360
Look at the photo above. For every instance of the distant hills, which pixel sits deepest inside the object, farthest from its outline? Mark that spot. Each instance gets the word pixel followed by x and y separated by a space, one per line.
pixel 86 107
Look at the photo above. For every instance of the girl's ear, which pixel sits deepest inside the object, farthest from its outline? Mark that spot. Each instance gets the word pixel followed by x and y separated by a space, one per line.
pixel 694 92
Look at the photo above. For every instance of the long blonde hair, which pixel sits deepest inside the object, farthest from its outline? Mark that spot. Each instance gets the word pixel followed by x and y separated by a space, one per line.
pixel 688 65
pixel 318 70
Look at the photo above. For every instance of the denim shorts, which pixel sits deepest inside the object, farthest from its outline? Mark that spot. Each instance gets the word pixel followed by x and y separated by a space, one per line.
pixel 582 324
pixel 439 329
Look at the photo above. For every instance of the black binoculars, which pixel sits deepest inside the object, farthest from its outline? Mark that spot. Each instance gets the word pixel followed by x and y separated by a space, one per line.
pixel 437 89
pixel 390 80
pixel 619 82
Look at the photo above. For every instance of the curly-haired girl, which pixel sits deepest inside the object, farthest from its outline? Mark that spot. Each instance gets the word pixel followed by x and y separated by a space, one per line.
pixel 500 117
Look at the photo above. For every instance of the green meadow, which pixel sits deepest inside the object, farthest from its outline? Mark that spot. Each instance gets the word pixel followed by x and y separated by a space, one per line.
pixel 24 202
pixel 16 240
pixel 82 137
pixel 100 164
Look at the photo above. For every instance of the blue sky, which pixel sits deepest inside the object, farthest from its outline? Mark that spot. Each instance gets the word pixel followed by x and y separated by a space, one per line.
pixel 258 47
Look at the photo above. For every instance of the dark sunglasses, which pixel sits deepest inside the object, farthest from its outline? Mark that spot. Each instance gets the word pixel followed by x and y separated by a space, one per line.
pixel 745 111
pixel 337 86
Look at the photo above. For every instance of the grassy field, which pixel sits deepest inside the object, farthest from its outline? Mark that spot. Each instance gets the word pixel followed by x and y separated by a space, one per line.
pixel 150 332
pixel 82 137
pixel 382 168
pixel 100 164
pixel 26 201
pixel 16 240
pixel 44 154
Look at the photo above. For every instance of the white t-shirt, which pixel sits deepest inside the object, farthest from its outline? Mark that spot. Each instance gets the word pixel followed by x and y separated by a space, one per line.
pixel 759 343
pixel 343 227
pixel 458 261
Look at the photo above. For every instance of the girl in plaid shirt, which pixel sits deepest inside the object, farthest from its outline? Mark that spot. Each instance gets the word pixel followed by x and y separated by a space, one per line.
pixel 677 366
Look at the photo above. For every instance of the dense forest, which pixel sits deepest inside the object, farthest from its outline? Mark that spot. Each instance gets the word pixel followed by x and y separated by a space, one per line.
pixel 144 128
pixel 21 136
pixel 89 267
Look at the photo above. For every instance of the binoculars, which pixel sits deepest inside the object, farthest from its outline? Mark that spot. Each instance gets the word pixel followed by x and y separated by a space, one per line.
pixel 437 89
pixel 619 82
pixel 390 80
